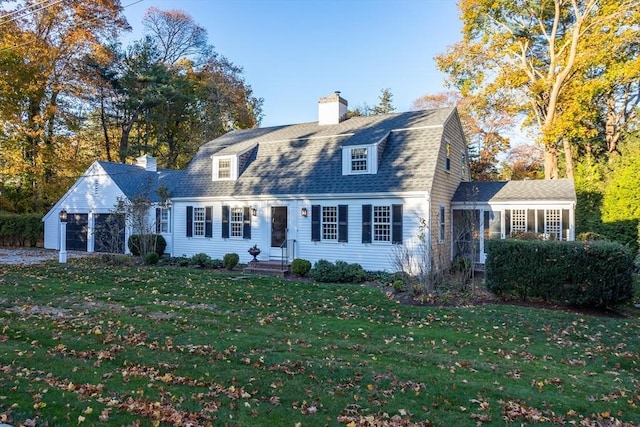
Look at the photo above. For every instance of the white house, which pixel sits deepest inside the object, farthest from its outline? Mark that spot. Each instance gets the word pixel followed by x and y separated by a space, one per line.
pixel 340 188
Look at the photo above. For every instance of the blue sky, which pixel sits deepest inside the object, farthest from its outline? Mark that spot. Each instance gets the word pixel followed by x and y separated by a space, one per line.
pixel 295 51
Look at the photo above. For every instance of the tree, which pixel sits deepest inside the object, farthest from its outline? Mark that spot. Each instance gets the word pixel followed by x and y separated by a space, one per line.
pixel 484 132
pixel 523 161
pixel 385 104
pixel 537 55
pixel 41 49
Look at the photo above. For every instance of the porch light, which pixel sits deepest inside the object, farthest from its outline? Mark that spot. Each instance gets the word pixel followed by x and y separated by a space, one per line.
pixel 63 216
pixel 304 212
pixel 254 212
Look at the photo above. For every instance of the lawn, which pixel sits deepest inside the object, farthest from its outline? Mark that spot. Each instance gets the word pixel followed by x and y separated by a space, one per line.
pixel 88 344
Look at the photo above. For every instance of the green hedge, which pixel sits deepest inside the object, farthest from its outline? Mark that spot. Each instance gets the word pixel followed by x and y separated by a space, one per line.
pixel 592 273
pixel 21 229
pixel 340 272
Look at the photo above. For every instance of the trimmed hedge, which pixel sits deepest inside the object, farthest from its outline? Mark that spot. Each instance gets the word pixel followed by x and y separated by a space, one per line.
pixel 591 273
pixel 21 229
pixel 134 243
pixel 340 272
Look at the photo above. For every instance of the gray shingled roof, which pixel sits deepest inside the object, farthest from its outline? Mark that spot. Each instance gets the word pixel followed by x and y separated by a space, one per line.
pixel 506 191
pixel 134 180
pixel 306 158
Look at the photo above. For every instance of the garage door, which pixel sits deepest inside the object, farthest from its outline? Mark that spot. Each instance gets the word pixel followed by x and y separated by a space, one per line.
pixel 109 233
pixel 77 227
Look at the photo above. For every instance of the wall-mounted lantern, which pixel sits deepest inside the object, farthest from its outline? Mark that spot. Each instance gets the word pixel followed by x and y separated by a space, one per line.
pixel 304 212
pixel 254 212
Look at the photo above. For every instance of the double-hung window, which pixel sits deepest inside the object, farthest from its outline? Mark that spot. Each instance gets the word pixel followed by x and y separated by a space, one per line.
pixel 198 222
pixel 442 225
pixel 163 220
pixel 237 221
pixel 359 158
pixel 329 223
pixel 382 223
pixel 224 168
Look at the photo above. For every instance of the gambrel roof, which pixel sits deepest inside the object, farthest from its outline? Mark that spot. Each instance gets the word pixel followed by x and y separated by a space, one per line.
pixel 307 158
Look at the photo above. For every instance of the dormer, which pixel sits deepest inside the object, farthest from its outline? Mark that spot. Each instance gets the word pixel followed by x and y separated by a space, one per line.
pixel 362 159
pixel 226 166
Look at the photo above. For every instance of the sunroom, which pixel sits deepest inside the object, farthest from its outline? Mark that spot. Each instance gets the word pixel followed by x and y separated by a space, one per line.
pixel 482 211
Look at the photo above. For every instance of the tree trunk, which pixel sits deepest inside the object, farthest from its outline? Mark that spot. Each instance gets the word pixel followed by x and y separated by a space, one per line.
pixel 550 162
pixel 568 156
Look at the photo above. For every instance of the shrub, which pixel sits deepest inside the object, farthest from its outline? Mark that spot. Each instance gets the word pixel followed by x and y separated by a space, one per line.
pixel 340 272
pixel 324 271
pixel 214 263
pixel 201 259
pixel 20 229
pixel 592 273
pixel 229 261
pixel 527 235
pixel 461 264
pixel 151 258
pixel 139 242
pixel 590 236
pixel 300 266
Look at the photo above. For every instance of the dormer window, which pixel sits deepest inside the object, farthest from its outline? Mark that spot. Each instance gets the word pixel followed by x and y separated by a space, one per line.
pixel 359 160
pixel 225 168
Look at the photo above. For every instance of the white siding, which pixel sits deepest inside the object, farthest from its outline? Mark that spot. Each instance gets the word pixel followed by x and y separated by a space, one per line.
pixel 372 256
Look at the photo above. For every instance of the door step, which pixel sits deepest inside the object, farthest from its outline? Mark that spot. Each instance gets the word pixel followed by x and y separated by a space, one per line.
pixel 272 268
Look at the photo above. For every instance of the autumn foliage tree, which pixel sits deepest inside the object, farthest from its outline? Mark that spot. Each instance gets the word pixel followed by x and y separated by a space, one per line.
pixel 71 94
pixel 551 61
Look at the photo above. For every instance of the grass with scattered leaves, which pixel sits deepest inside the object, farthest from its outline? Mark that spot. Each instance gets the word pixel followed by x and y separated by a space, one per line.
pixel 88 344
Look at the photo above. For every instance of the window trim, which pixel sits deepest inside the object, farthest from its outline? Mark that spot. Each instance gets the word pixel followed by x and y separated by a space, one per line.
pixel 329 228
pixel 378 226
pixel 199 211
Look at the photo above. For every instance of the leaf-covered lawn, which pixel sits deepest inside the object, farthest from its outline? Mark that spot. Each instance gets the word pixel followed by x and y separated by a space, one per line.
pixel 87 344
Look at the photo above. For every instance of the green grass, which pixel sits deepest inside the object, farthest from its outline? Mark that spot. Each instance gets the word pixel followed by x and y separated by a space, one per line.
pixel 87 344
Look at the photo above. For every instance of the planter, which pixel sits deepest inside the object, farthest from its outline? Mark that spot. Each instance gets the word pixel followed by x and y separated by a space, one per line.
pixel 254 252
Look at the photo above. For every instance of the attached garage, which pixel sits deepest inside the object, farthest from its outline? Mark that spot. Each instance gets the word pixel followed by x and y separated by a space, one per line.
pixel 77 231
pixel 109 233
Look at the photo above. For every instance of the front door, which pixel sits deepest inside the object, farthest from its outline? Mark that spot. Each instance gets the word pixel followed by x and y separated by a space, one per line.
pixel 278 226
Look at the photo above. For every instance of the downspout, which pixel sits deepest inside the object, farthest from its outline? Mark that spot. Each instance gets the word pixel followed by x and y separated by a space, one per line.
pixel 428 231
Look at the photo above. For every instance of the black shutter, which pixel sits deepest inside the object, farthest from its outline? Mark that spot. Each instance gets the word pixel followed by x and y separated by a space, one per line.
pixel 366 223
pixel 158 218
pixel 189 221
pixel 315 223
pixel 225 222
pixel 396 224
pixel 208 223
pixel 342 223
pixel 246 226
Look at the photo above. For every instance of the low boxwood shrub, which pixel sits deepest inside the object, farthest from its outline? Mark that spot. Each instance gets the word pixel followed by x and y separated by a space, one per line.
pixel 151 258
pixel 300 266
pixel 200 259
pixel 590 273
pixel 229 261
pixel 137 242
pixel 340 272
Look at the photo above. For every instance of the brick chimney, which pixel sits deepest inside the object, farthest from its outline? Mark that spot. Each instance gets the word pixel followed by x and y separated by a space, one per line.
pixel 147 162
pixel 332 109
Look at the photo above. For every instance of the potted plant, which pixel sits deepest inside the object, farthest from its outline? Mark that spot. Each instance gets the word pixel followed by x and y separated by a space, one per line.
pixel 254 251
